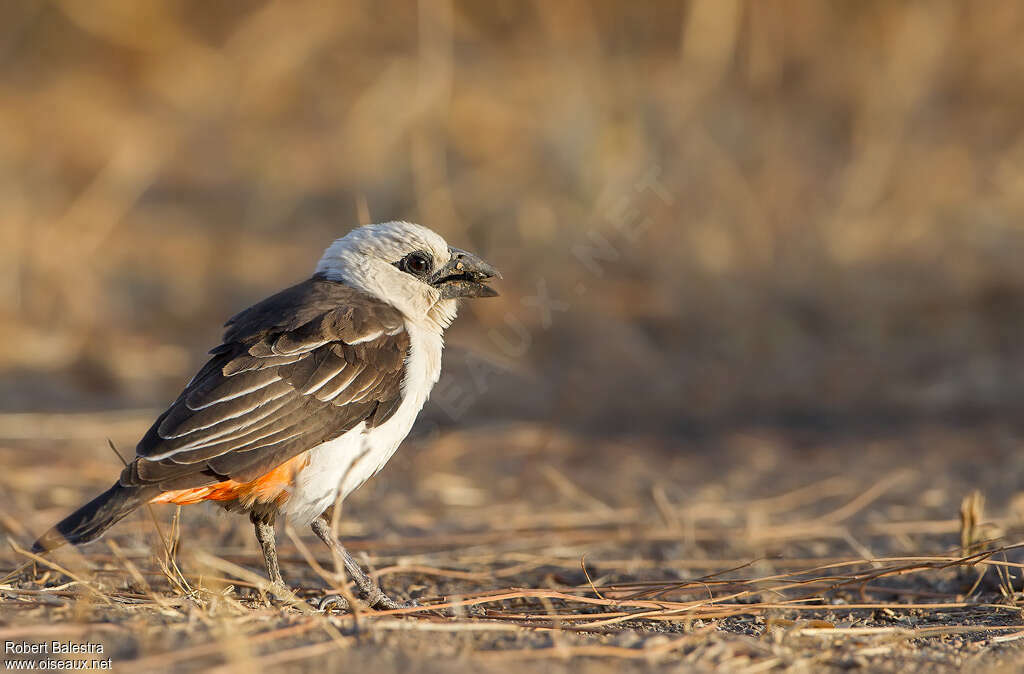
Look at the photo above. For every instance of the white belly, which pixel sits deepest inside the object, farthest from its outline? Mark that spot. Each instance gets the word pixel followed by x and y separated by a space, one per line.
pixel 341 465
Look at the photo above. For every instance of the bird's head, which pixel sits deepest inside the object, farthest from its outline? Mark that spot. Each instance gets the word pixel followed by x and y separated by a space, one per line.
pixel 410 267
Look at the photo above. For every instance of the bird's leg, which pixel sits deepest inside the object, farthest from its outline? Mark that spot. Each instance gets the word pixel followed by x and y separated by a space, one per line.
pixel 268 542
pixel 368 590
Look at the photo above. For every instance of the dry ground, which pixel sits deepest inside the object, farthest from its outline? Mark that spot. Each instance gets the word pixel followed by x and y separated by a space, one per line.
pixel 711 551
pixel 814 213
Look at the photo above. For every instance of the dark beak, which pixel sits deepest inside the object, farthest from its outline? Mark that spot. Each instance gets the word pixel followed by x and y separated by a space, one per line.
pixel 465 275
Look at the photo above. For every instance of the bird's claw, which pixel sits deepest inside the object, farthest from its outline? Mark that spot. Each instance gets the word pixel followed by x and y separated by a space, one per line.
pixel 379 601
pixel 331 601
pixel 386 603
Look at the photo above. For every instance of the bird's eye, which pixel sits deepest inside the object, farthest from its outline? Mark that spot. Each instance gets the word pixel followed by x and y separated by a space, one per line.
pixel 417 263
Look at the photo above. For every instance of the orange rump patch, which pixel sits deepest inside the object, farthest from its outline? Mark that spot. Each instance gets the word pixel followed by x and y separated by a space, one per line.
pixel 274 487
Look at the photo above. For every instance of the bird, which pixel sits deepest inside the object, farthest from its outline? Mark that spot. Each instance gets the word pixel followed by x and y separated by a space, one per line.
pixel 308 395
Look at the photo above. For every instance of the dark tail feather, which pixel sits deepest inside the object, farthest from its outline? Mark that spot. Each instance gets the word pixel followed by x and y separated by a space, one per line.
pixel 92 519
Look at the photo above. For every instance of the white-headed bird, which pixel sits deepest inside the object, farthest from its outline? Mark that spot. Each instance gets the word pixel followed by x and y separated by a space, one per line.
pixel 310 393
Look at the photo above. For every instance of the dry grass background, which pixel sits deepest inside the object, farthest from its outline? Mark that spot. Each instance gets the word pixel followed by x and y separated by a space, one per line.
pixel 776 244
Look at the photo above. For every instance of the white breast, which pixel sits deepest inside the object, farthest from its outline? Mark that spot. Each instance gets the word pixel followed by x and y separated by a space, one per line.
pixel 345 463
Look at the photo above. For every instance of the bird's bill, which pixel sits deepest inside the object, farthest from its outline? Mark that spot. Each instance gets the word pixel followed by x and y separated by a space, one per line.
pixel 465 275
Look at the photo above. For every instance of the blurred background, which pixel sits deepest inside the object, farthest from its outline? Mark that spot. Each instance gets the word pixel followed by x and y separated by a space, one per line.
pixel 763 294
pixel 710 213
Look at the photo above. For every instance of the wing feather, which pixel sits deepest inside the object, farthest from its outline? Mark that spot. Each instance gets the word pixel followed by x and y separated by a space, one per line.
pixel 239 433
pixel 247 363
pixel 219 389
pixel 253 406
pixel 329 369
pixel 294 371
pixel 339 383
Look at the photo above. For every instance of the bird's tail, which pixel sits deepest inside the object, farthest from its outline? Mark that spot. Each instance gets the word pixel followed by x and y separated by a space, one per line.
pixel 95 517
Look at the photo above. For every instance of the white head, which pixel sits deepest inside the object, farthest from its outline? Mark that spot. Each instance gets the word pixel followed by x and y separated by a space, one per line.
pixel 410 267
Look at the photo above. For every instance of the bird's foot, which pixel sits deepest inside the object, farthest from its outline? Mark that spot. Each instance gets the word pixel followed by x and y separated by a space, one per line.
pixel 385 603
pixel 332 602
pixel 375 599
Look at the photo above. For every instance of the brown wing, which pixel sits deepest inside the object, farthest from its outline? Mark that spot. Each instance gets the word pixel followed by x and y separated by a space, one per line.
pixel 297 369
